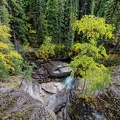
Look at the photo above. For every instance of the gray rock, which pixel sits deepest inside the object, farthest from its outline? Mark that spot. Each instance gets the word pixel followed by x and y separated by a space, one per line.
pixel 57 69
pixel 57 101
pixel 42 71
pixel 58 85
pixel 49 87
pixel 35 76
pixel 98 116
pixel 16 104
pixel 42 113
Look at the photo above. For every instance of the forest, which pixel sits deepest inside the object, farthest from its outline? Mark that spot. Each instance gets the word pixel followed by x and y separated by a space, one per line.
pixel 40 39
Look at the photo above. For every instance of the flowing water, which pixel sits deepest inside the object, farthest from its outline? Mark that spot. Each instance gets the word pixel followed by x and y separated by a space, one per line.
pixel 68 82
pixel 80 109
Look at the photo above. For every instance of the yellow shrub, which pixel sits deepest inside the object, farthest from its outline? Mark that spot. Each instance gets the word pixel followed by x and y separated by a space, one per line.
pixel 10 60
pixel 4 31
pixel 4 46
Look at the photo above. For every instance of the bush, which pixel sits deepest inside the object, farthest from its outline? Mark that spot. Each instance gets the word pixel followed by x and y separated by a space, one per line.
pixel 46 50
pixel 10 59
pixel 88 57
pixel 60 50
pixel 95 75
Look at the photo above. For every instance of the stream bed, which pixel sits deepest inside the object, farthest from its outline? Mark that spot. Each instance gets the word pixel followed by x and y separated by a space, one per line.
pixel 60 100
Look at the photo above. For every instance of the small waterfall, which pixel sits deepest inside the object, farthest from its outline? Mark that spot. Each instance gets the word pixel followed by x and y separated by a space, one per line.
pixel 68 81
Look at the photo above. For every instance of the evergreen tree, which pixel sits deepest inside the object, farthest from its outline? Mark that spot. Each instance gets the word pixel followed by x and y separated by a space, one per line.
pixel 17 21
pixel 4 15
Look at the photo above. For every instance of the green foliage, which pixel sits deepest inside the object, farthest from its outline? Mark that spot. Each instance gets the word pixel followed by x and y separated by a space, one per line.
pixel 46 50
pixel 18 20
pixel 10 59
pixel 94 28
pixel 88 57
pixel 27 70
pixel 4 72
pixel 97 53
pixel 4 15
pixel 112 12
pixel 51 19
pixel 95 75
pixel 59 50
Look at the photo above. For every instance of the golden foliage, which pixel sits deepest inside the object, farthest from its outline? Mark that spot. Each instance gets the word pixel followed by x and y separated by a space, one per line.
pixel 4 31
pixel 9 58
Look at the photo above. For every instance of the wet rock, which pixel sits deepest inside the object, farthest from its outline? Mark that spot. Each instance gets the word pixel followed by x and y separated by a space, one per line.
pixel 62 115
pixel 57 69
pixel 51 71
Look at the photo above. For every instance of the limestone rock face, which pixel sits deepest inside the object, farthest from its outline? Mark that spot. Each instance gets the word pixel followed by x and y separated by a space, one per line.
pixel 52 87
pixel 42 91
pixel 16 104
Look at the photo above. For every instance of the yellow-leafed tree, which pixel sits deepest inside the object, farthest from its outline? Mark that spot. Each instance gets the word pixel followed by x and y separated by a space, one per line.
pixel 10 60
pixel 88 56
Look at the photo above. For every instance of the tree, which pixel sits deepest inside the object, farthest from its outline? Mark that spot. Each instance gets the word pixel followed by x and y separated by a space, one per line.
pixel 18 21
pixel 87 60
pixel 4 15
pixel 10 60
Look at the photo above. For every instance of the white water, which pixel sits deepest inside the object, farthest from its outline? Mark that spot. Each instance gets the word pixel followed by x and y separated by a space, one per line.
pixel 68 81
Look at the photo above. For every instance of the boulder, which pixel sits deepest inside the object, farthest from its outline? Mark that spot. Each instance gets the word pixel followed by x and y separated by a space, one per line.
pixel 42 71
pixel 57 69
pixel 49 87
pixel 41 91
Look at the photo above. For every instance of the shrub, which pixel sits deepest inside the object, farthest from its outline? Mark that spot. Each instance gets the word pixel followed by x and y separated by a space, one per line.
pixel 88 57
pixel 95 75
pixel 60 50
pixel 10 59
pixel 46 50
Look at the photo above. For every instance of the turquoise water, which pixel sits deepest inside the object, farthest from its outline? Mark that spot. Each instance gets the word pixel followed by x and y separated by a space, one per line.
pixel 68 81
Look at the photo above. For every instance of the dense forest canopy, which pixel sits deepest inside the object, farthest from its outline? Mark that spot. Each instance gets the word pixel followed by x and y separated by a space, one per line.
pixel 51 29
pixel 32 20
